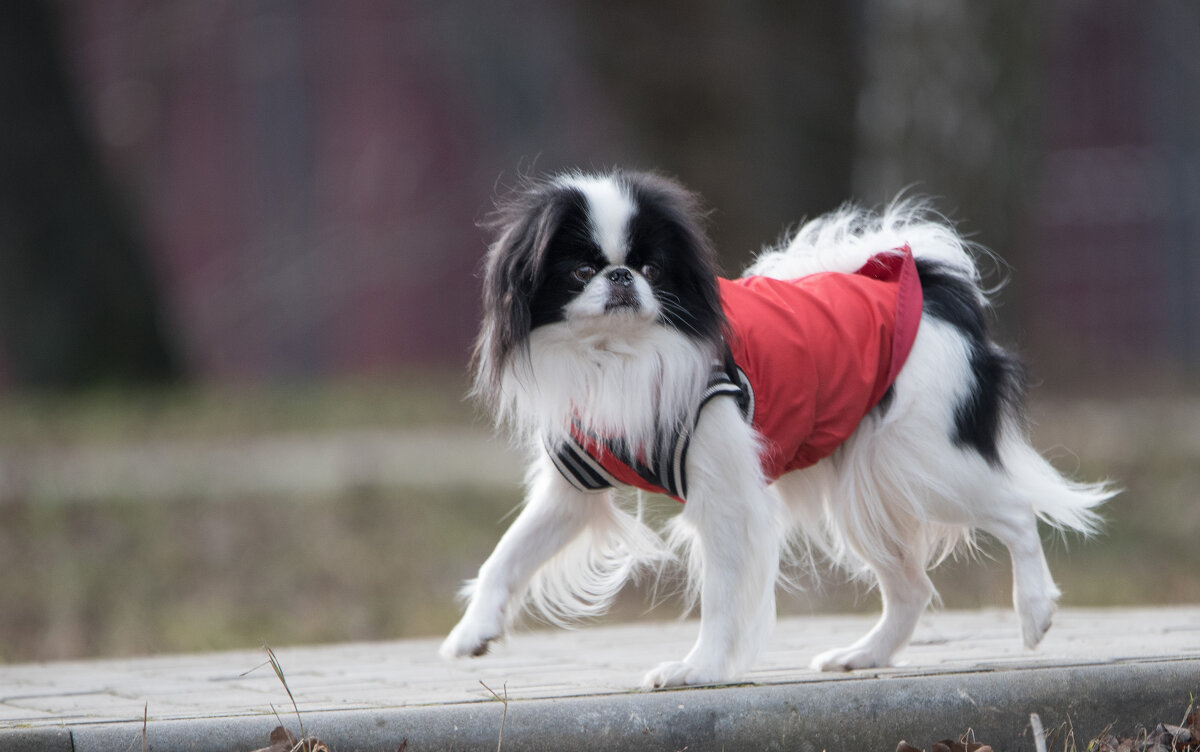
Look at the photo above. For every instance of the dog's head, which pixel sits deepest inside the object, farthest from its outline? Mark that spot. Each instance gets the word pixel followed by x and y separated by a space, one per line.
pixel 603 258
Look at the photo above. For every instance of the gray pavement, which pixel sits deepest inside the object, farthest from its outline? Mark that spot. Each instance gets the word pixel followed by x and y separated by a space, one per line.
pixel 569 690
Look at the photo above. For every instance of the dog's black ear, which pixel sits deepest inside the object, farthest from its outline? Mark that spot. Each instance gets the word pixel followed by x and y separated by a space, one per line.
pixel 672 216
pixel 523 225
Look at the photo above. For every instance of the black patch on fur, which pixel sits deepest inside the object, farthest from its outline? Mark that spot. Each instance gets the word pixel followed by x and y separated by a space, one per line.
pixel 569 245
pixel 998 387
pixel 885 402
pixel 527 225
pixel 666 231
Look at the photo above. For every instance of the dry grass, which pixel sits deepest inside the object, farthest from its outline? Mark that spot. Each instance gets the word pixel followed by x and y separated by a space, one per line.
pixel 182 413
pixel 132 578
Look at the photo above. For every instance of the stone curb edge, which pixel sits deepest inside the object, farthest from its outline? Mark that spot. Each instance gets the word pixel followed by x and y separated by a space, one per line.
pixel 859 715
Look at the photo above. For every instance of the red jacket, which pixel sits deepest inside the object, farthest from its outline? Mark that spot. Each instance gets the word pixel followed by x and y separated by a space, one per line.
pixel 813 356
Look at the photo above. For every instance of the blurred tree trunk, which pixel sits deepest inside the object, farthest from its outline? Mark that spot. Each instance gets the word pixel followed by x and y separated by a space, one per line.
pixel 78 304
pixel 952 109
pixel 751 104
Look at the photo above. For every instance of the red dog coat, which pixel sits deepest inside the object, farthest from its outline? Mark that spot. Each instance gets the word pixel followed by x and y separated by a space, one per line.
pixel 810 358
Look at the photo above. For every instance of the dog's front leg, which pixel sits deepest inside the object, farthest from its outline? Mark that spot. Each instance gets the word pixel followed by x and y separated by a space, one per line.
pixel 732 527
pixel 553 515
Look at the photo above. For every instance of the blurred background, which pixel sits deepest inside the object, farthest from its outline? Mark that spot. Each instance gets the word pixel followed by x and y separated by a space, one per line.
pixel 239 246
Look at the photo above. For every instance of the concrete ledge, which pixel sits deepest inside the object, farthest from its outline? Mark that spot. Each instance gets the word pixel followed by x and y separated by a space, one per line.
pixel 37 740
pixel 866 714
pixel 567 692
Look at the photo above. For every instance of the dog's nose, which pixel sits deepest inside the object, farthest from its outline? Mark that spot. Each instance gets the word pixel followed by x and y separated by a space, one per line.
pixel 621 276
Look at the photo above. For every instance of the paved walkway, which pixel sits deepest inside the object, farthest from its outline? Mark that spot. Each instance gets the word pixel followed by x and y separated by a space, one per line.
pixel 571 690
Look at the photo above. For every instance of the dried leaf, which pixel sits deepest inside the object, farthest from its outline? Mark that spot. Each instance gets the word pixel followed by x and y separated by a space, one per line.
pixel 1179 735
pixel 283 740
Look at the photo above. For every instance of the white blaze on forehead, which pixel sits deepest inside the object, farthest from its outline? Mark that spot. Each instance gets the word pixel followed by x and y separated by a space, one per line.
pixel 609 212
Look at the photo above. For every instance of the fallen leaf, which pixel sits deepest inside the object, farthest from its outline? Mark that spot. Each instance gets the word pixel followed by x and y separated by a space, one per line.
pixel 283 740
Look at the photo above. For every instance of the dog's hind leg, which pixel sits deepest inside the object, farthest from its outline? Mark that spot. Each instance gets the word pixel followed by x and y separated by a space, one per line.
pixel 906 591
pixel 1034 592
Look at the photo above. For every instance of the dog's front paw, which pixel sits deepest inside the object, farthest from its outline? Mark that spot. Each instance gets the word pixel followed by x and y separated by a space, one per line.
pixel 470 638
pixel 679 674
pixel 849 659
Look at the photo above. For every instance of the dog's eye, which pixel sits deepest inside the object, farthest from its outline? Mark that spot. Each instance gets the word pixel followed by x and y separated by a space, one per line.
pixel 651 272
pixel 583 273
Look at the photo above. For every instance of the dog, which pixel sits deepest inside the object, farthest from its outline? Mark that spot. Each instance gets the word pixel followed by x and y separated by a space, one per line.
pixel 844 393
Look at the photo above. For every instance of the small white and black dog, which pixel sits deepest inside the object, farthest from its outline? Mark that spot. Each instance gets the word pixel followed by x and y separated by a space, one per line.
pixel 845 388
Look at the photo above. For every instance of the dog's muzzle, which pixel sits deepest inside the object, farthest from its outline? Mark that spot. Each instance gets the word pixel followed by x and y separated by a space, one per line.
pixel 621 291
